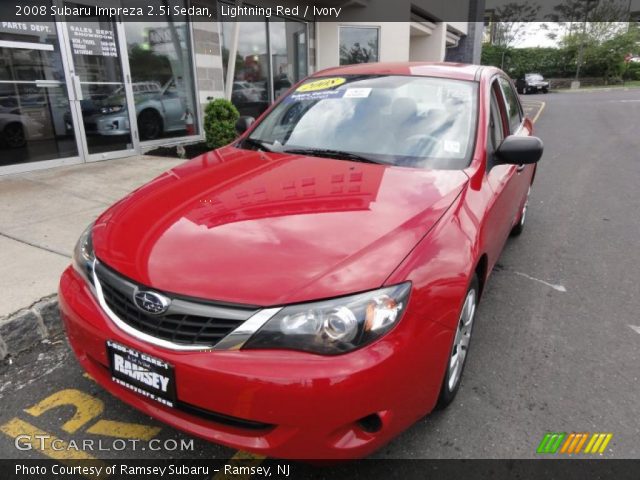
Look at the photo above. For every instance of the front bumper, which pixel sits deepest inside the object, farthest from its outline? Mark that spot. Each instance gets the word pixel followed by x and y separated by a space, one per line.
pixel 112 124
pixel 293 404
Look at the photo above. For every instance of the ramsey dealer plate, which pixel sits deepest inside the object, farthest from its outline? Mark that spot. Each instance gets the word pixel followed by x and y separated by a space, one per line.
pixel 142 373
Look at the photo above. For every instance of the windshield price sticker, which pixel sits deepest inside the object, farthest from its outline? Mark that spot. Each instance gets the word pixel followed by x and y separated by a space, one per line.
pixel 323 84
pixel 314 96
pixel 451 146
pixel 357 92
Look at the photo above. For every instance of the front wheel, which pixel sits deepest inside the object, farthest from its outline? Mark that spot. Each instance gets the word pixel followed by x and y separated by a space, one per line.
pixel 460 347
pixel 14 135
pixel 149 124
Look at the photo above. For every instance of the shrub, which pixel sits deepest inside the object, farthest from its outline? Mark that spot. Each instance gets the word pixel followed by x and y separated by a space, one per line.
pixel 220 117
pixel 632 71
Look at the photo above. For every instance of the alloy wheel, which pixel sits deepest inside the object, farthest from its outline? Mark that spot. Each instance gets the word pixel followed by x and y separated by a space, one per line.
pixel 461 340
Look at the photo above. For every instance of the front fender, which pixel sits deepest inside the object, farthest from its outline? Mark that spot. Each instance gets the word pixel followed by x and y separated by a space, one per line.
pixel 443 263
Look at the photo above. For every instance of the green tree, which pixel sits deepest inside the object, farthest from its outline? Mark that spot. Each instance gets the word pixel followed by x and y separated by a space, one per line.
pixel 510 21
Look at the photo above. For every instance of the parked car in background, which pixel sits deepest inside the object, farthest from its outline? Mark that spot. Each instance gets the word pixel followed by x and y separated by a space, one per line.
pixel 247 92
pixel 532 83
pixel 310 290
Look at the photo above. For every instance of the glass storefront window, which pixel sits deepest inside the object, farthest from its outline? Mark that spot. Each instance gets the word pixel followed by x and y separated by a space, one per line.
pixel 271 56
pixel 162 75
pixel 250 92
pixel 33 95
pixel 98 66
pixel 288 54
pixel 358 45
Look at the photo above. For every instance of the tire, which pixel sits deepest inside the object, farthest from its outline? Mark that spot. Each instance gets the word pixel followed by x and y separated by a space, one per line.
pixel 545 90
pixel 518 228
pixel 13 135
pixel 459 347
pixel 149 125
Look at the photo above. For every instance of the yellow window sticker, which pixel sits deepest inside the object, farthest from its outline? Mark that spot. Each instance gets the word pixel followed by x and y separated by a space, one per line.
pixel 322 84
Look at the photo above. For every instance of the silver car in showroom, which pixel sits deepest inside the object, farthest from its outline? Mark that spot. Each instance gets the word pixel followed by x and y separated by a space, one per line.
pixel 159 110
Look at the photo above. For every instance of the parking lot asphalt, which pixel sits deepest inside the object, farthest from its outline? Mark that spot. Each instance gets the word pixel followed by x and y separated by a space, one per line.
pixel 555 346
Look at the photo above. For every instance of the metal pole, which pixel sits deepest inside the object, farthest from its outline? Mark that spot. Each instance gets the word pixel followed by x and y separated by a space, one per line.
pixel 233 51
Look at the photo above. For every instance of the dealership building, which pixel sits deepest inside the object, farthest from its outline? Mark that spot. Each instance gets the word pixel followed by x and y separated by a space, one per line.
pixel 76 90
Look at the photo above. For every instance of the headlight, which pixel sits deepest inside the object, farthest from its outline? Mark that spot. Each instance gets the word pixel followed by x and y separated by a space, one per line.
pixel 331 327
pixel 111 109
pixel 83 256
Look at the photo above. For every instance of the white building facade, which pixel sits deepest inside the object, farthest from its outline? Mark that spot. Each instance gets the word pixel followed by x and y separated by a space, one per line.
pixel 101 88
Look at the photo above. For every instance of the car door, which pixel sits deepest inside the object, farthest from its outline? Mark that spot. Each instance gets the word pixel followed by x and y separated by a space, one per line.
pixel 519 126
pixel 504 187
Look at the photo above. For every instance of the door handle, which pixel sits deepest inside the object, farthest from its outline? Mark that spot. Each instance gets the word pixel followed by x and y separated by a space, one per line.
pixel 77 87
pixel 520 168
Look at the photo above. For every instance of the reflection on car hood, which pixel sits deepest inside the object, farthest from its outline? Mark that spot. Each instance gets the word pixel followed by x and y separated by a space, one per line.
pixel 271 228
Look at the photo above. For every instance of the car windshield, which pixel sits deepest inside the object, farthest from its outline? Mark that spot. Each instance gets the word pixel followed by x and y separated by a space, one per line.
pixel 534 77
pixel 408 121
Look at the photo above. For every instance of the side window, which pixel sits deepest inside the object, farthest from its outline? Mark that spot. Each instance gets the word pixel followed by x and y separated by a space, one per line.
pixel 496 133
pixel 513 104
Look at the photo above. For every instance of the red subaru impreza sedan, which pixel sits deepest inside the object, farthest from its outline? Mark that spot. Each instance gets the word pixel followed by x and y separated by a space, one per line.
pixel 309 290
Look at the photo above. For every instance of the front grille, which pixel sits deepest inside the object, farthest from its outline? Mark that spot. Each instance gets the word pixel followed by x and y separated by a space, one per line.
pixel 186 322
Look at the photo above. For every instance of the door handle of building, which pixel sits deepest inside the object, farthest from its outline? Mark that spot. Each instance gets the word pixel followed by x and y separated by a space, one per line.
pixel 77 88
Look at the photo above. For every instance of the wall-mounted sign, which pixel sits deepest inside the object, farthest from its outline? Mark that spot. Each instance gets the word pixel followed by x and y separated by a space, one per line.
pixel 28 28
pixel 87 39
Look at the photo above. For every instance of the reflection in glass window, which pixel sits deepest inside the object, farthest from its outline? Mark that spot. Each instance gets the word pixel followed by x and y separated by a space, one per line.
pixel 162 76
pixel 358 45
pixel 97 61
pixel 271 57
pixel 288 54
pixel 515 118
pixel 33 96
pixel 250 92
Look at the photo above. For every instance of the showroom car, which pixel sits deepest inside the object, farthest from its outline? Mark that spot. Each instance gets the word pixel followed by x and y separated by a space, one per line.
pixel 159 110
pixel 310 290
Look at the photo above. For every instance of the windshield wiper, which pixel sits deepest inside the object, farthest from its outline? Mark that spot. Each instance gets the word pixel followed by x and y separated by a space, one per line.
pixel 321 152
pixel 257 143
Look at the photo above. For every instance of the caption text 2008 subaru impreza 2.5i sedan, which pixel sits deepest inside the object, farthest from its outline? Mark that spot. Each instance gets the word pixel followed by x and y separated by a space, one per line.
pixel 309 291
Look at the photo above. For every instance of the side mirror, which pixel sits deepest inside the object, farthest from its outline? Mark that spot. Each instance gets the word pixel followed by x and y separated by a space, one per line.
pixel 243 124
pixel 517 150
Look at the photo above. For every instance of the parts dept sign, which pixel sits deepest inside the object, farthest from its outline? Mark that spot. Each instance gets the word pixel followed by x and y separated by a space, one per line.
pixel 28 28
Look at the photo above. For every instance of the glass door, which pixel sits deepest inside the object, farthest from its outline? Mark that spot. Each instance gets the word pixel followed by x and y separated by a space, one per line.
pixel 36 128
pixel 100 79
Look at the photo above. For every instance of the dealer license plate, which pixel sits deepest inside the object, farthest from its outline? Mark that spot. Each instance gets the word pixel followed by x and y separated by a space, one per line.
pixel 146 375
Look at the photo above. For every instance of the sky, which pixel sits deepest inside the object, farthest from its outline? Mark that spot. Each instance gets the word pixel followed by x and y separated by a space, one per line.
pixel 536 36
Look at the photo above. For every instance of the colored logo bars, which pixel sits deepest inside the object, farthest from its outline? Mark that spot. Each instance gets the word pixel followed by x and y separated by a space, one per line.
pixel 553 442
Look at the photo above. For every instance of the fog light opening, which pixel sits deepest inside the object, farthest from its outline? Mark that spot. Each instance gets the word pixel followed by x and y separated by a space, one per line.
pixel 371 423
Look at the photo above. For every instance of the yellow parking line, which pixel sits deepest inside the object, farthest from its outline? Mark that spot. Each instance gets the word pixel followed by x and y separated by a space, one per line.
pixel 535 119
pixel 240 459
pixel 111 428
pixel 86 407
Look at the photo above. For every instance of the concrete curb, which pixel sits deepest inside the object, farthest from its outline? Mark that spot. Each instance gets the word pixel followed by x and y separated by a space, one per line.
pixel 29 326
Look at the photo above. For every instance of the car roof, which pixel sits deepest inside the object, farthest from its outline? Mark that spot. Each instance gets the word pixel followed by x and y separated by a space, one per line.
pixel 457 71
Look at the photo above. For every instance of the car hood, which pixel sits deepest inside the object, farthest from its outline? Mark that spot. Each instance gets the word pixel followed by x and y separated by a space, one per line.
pixel 268 228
